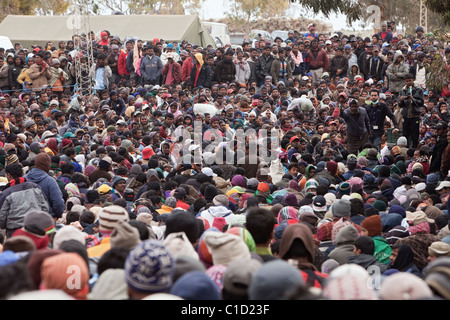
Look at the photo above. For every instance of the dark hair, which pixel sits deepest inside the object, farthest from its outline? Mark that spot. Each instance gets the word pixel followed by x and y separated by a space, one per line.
pixel 365 244
pixel 260 223
pixel 144 233
pixel 87 217
pixel 72 216
pixel 114 258
pixel 15 170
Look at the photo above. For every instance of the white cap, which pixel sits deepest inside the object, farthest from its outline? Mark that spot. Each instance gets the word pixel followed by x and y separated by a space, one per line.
pixel 443 184
pixel 328 42
pixel 420 187
pixel 209 172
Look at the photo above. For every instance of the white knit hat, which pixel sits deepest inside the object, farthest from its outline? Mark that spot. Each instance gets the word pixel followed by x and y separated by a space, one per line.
pixel 109 216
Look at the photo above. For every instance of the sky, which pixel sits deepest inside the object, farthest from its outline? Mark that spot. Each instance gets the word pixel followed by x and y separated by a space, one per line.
pixel 214 9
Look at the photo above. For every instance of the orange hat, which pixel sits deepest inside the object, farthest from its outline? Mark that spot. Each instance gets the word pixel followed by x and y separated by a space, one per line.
pixel 263 187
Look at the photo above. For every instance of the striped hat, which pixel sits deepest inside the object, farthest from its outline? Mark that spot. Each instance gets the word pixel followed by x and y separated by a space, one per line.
pixel 11 159
pixel 109 216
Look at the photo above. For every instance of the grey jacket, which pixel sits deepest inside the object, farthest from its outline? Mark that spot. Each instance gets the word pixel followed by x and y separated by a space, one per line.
pixel 397 73
pixel 151 68
pixel 17 200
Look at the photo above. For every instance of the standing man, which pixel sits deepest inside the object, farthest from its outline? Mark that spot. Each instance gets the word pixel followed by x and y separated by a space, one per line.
pixel 377 112
pixel 374 65
pixel 225 71
pixel 39 72
pixel 318 60
pixel 438 150
pixel 411 102
pixel 339 64
pixel 263 66
pixel 358 126
pixel 151 67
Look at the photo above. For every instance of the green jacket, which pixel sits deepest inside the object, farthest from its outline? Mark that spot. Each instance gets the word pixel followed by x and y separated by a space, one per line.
pixel 382 249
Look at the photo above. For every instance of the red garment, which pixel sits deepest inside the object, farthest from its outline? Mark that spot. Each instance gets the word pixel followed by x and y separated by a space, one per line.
pixel 122 64
pixel 182 205
pixel 186 69
pixel 41 242
pixel 319 60
pixel 103 42
pixel 324 233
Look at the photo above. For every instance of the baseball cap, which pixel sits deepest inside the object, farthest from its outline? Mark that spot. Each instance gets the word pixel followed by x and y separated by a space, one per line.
pixel 121 122
pixel 443 184
pixel 209 172
pixel 319 203
pixel 328 42
pixel 104 189
pixel 294 138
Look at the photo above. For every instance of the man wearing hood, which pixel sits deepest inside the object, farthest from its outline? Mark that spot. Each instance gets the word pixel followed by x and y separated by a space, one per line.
pixel 39 175
pixel 113 62
pixel 220 209
pixel 201 74
pixel 297 247
pixel 396 72
pixel 14 71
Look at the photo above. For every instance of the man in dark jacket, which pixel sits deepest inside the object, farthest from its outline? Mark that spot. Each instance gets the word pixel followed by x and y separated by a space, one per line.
pixel 411 102
pixel 13 73
pixel 201 74
pixel 438 150
pixel 339 64
pixel 39 175
pixel 18 198
pixel 225 69
pixel 358 126
pixel 374 65
pixel 263 65
pixel 377 112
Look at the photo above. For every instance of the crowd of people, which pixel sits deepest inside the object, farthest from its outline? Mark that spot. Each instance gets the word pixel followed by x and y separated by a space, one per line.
pixel 313 167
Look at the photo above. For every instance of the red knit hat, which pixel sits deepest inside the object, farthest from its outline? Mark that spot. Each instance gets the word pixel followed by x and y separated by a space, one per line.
pixel 373 225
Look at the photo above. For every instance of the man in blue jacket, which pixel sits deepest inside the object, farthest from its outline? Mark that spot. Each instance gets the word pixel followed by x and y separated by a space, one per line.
pixel 151 67
pixel 39 175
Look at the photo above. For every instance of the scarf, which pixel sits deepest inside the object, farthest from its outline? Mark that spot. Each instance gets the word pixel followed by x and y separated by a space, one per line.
pixel 15 182
pixel 297 59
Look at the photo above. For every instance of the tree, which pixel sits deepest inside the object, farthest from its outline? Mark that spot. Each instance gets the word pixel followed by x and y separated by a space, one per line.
pixel 244 11
pixel 442 7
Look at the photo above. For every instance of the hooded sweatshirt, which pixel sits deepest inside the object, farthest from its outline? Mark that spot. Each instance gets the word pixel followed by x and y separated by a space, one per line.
pixel 396 73
pixel 345 240
pixel 217 211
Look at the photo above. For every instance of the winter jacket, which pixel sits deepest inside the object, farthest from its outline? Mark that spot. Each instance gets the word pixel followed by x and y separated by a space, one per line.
pixel 39 80
pixel 374 68
pixel 175 70
pixel 225 71
pixel 151 69
pixel 263 66
pixel 122 64
pixel 338 62
pixel 107 75
pixel 397 73
pixel 4 76
pixel 204 77
pixel 417 101
pixel 217 211
pixel 277 72
pixel 382 250
pixel 366 261
pixel 16 201
pixel 186 69
pixel 345 240
pixel 51 190
pixel 243 71
pixel 13 73
pixel 318 59
pixel 358 125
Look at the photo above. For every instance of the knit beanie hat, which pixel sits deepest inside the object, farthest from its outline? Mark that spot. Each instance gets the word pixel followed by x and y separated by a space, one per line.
pixel 221 199
pixel 109 216
pixel 238 276
pixel 396 233
pixel 35 261
pixel 39 222
pixel 348 287
pixel 344 188
pixel 110 285
pixel 373 225
pixel 68 233
pixel 195 285
pixel 332 167
pixel 171 202
pixel 54 274
pixel 43 161
pixel 379 205
pixel 125 235
pixel 290 200
pixel 398 209
pixel 273 280
pixel 404 286
pixel 225 247
pixel 185 264
pixel 149 267
pixel 341 208
pixel 238 180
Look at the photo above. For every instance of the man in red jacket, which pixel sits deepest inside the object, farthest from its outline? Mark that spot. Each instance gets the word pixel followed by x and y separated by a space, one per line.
pixel 186 68
pixel 122 63
pixel 318 59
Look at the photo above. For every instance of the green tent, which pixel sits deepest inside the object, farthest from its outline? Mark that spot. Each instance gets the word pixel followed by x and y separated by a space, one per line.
pixel 30 30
